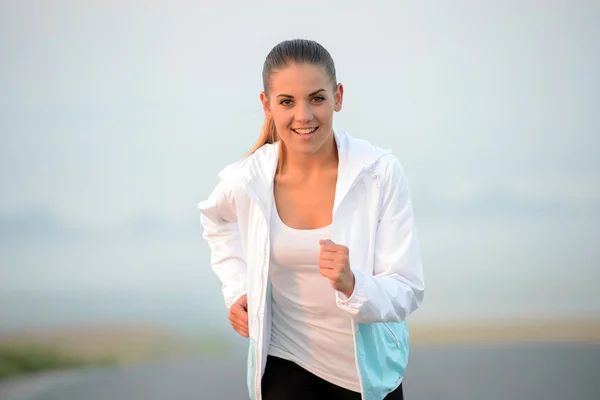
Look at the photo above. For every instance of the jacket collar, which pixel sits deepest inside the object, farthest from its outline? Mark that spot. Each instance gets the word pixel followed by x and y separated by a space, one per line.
pixel 257 171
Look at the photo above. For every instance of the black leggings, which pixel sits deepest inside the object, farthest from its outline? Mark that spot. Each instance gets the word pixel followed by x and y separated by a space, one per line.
pixel 285 380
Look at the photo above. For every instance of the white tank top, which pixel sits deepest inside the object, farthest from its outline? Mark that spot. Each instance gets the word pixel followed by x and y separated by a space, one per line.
pixel 308 327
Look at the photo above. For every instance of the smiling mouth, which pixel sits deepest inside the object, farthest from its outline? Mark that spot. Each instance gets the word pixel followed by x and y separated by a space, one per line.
pixel 305 131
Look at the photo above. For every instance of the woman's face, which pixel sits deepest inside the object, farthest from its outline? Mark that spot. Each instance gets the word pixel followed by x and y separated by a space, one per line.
pixel 301 101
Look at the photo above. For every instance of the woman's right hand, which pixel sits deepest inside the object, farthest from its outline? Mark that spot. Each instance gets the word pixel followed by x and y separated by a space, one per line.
pixel 238 316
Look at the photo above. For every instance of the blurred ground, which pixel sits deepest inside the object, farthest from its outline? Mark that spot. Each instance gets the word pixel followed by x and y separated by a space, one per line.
pixel 544 361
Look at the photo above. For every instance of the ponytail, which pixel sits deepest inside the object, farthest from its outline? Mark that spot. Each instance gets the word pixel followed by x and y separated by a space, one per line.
pixel 268 134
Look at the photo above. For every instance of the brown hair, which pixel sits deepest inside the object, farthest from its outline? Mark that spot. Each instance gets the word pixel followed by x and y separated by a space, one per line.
pixel 281 56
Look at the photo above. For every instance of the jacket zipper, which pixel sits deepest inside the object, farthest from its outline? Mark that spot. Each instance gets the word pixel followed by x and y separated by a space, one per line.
pixel 356 179
pixel 258 347
pixel 353 327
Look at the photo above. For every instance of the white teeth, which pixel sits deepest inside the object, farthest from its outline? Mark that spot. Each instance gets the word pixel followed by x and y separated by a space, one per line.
pixel 305 131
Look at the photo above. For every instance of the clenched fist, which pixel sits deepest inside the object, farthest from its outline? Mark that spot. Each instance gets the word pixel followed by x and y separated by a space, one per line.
pixel 238 316
pixel 334 263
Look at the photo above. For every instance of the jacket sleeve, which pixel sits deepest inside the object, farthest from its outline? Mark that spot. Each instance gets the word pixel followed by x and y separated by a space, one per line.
pixel 221 231
pixel 396 288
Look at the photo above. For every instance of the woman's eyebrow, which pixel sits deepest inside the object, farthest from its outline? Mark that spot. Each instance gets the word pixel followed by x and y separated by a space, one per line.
pixel 311 94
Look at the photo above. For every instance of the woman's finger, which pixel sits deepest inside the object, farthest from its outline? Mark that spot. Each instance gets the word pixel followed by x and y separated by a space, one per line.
pixel 238 322
pixel 240 328
pixel 241 314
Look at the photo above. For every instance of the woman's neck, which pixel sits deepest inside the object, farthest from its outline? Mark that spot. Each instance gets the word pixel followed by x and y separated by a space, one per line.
pixel 303 164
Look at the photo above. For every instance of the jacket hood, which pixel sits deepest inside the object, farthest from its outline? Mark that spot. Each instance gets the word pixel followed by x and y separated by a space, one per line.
pixel 257 171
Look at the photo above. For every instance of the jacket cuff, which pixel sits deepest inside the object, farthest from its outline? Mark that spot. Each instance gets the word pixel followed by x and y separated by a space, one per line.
pixel 234 297
pixel 354 303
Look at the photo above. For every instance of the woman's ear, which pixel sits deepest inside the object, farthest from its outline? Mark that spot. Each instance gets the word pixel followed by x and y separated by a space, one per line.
pixel 265 104
pixel 339 97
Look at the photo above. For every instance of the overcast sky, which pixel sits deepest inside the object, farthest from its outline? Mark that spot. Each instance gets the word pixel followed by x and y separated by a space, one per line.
pixel 116 116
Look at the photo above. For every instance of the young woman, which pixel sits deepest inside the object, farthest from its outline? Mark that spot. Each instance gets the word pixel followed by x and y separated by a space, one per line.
pixel 313 237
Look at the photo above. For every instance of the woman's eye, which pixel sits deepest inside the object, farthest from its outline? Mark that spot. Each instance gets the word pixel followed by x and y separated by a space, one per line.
pixel 285 102
pixel 318 99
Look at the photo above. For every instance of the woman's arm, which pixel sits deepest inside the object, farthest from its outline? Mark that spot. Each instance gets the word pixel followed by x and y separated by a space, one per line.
pixel 221 231
pixel 396 288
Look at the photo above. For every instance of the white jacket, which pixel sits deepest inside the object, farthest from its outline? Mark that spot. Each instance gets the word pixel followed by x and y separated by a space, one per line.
pixel 372 216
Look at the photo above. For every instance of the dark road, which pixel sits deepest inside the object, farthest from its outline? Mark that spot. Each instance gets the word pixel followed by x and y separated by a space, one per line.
pixel 529 372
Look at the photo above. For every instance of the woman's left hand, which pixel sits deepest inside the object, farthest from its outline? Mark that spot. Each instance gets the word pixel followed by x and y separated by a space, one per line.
pixel 334 263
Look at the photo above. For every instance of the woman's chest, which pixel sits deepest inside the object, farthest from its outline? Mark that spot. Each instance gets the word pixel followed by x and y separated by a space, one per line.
pixel 305 205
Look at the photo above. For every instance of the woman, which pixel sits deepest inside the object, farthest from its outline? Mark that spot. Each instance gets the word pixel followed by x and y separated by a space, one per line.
pixel 313 237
